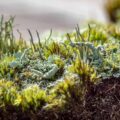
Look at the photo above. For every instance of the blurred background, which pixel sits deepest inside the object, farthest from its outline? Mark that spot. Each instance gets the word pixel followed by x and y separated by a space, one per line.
pixel 60 15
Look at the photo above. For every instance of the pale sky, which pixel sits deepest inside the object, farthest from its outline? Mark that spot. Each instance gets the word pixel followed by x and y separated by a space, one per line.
pixel 57 14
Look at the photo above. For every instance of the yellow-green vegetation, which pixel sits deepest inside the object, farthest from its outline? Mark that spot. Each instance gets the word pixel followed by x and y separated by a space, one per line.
pixel 113 9
pixel 54 73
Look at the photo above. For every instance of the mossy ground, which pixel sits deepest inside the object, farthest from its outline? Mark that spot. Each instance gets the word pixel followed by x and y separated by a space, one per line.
pixel 65 79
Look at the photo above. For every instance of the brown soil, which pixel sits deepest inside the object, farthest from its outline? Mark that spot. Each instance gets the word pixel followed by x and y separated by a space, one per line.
pixel 102 102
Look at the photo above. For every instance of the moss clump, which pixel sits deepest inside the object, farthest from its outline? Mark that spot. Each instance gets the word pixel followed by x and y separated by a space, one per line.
pixel 54 74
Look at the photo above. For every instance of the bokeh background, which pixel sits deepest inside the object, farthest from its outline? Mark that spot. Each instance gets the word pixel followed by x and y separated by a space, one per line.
pixel 59 15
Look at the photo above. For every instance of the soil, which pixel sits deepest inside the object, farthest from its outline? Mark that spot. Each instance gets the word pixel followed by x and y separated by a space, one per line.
pixel 102 102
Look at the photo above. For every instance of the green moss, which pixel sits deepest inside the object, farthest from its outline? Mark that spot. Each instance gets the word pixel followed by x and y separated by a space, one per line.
pixel 43 75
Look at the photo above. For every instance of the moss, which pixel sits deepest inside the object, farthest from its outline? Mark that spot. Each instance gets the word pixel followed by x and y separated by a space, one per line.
pixel 57 73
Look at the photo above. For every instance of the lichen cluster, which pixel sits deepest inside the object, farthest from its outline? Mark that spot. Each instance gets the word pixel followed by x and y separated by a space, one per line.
pixel 50 73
